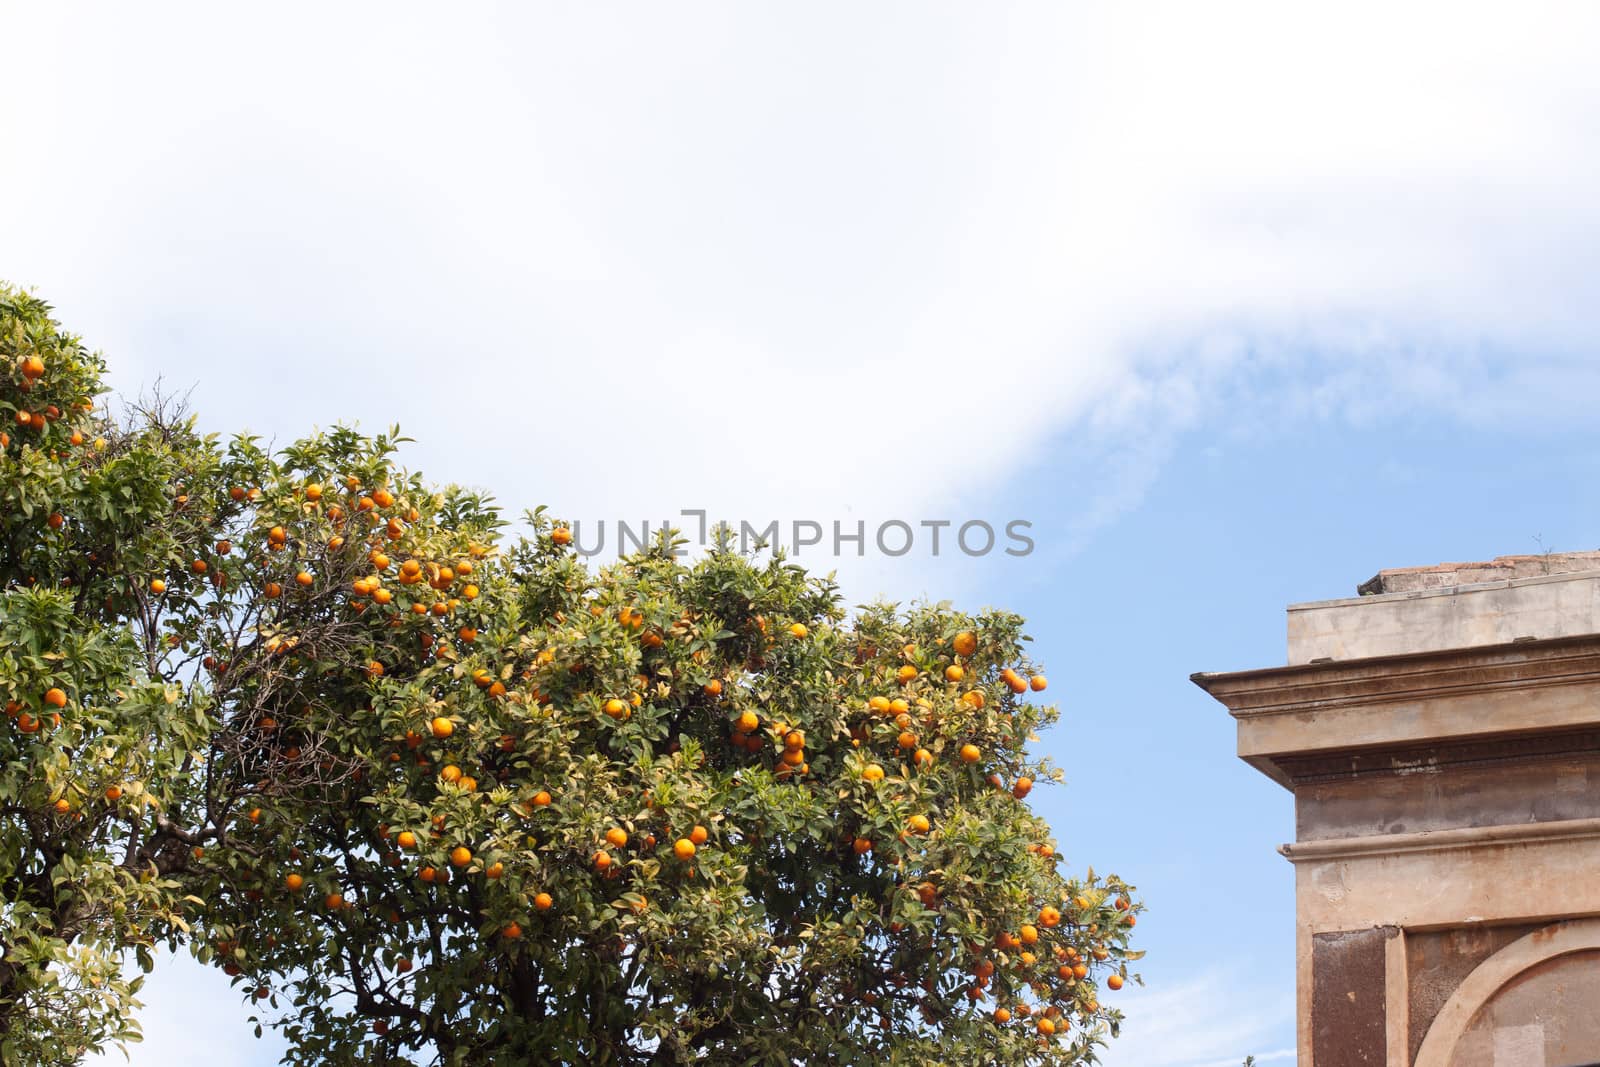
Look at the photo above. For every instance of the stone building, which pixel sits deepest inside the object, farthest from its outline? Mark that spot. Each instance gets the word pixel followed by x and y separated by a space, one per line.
pixel 1441 736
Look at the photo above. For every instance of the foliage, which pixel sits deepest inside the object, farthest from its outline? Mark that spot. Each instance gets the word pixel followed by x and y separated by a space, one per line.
pixel 433 794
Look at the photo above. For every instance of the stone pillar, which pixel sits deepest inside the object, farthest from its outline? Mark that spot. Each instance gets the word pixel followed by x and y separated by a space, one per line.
pixel 1442 743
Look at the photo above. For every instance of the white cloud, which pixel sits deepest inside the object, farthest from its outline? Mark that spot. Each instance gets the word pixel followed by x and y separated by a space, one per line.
pixel 192 1016
pixel 1212 1020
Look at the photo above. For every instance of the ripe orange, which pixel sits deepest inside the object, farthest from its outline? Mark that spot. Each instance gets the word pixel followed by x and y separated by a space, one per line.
pixel 698 835
pixel 602 859
pixel 919 824
pixel 543 901
pixel 1049 917
pixel 541 799
pixel 798 629
pixel 1001 1015
pixel 1030 934
pixel 617 837
pixel 295 882
pixel 114 793
pixel 512 931
pixel 1038 682
pixel 494 870
pixel 32 368
pixel 1014 680
pixel 55 697
pixel 954 673
pixel 879 704
pixel 922 758
pixel 442 727
pixel 450 773
pixel 561 535
pixel 304 579
pixel 1022 787
pixel 872 772
pixel 615 708
pixel 683 848
pixel 460 856
pixel 965 643
pixel 973 699
pixel 334 901
pixel 383 498
pixel 906 674
pixel 970 753
pixel 862 845
pixel 1046 1027
pixel 712 688
pixel 157 586
pixel 748 722
pixel 1114 982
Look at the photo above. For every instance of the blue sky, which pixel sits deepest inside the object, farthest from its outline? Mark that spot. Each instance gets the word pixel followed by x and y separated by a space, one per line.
pixel 1235 305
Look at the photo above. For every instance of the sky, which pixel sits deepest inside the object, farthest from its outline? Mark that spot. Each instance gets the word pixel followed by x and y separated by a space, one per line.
pixel 1233 304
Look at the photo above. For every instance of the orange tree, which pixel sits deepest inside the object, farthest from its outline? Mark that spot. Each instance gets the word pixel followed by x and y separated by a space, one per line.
pixel 140 663
pixel 431 794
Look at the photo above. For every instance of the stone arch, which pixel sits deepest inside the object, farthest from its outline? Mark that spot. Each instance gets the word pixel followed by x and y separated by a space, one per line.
pixel 1493 974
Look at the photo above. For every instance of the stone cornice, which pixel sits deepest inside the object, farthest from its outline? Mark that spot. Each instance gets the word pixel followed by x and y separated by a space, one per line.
pixel 1442 840
pixel 1393 714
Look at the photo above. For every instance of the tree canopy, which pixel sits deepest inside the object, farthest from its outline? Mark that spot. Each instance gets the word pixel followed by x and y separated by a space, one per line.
pixel 433 791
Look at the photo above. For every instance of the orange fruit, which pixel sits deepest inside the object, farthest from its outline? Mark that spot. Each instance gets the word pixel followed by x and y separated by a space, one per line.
pixel 442 727
pixel 615 708
pixel 1014 680
pixel 541 799
pixel 617 837
pixel 1049 917
pixel 861 845
pixel 748 722
pixel 1022 787
pixel 1001 1015
pixel 460 856
pixel 1030 934
pixel 55 697
pixel 157 586
pixel 970 753
pixel 494 870
pixel 114 793
pixel 32 367
pixel 334 901
pixel 872 772
pixel 973 699
pixel 698 835
pixel 954 673
pixel 1038 682
pixel 906 674
pixel 543 901
pixel 295 882
pixel 683 848
pixel 383 498
pixel 965 643
pixel 602 859
pixel 1114 982
pixel 919 824
pixel 712 688
pixel 561 535
pixel 512 931
pixel 798 629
